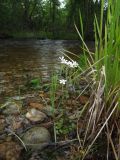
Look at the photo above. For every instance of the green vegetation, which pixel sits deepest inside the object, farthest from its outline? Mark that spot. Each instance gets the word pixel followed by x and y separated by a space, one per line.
pixel 64 126
pixel 100 114
pixel 89 118
pixel 46 18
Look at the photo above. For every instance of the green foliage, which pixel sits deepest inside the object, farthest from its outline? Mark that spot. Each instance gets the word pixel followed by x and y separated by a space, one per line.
pixel 64 125
pixel 103 71
pixel 108 48
pixel 34 83
pixel 45 18
pixel 53 88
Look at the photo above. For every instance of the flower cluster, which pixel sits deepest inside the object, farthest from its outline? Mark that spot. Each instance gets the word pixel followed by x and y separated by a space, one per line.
pixel 63 81
pixel 71 64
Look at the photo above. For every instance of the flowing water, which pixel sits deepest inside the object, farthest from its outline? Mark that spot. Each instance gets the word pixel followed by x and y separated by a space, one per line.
pixel 24 60
pixel 29 59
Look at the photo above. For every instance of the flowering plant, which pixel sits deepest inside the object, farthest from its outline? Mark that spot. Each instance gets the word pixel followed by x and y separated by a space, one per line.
pixel 71 64
pixel 63 81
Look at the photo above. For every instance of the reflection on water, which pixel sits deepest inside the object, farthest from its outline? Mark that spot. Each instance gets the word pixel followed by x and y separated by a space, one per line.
pixel 33 58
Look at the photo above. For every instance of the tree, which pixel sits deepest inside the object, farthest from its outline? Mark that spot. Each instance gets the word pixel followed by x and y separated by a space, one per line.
pixel 47 15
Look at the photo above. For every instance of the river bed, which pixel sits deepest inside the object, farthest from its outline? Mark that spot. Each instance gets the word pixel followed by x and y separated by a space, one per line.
pixel 28 59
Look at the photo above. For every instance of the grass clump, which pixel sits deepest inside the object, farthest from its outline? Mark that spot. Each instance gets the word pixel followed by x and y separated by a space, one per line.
pixel 104 71
pixel 100 115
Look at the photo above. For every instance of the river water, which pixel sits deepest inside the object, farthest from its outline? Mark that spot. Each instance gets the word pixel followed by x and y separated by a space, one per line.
pixel 24 60
pixel 28 59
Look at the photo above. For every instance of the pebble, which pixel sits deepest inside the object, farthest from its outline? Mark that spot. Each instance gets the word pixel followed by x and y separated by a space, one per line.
pixel 35 115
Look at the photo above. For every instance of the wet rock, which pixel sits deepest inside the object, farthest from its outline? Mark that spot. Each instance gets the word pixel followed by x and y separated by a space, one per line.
pixel 36 138
pixel 11 108
pixel 35 115
pixel 10 150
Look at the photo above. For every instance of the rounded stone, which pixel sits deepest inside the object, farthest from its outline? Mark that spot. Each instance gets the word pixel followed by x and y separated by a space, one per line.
pixel 36 138
pixel 35 115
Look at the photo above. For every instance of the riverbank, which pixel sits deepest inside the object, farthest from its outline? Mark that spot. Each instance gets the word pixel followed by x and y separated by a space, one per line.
pixel 33 102
pixel 39 35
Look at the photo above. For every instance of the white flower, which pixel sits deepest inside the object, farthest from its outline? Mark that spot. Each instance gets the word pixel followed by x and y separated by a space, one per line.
pixel 63 60
pixel 71 64
pixel 62 81
pixel 75 64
